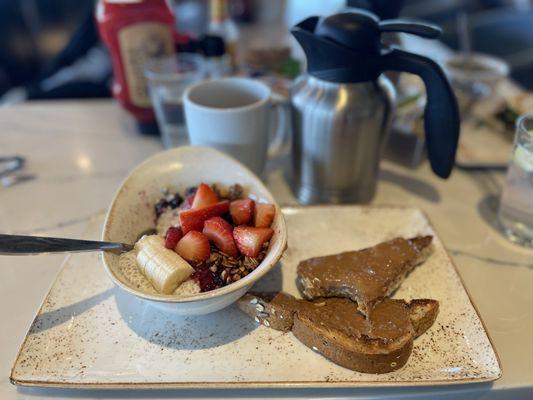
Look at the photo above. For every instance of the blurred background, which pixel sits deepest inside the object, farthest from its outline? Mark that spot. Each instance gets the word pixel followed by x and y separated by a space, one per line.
pixel 51 49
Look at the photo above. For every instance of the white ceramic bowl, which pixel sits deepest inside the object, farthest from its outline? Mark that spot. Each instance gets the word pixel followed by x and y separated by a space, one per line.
pixel 132 212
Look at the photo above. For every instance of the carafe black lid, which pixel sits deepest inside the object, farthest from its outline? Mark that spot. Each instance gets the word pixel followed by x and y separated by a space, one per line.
pixel 357 31
pixel 346 47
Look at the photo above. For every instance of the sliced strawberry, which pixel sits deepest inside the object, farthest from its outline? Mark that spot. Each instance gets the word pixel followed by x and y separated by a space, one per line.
pixel 187 203
pixel 264 214
pixel 194 247
pixel 172 237
pixel 250 239
pixel 241 211
pixel 219 232
pixel 205 196
pixel 193 219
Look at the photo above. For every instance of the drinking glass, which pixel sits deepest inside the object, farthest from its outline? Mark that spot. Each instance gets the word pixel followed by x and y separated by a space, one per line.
pixel 516 203
pixel 168 77
pixel 474 78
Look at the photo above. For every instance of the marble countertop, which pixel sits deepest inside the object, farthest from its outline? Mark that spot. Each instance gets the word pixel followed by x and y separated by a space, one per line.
pixel 79 151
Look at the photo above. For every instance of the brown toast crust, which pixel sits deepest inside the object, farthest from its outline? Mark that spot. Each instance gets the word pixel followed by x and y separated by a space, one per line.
pixel 334 328
pixel 423 314
pixel 274 310
pixel 365 276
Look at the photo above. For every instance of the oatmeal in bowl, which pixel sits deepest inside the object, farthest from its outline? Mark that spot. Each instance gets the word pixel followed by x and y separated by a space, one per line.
pixel 204 229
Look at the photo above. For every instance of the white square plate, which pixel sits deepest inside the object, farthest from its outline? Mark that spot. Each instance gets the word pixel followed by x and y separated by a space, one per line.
pixel 90 334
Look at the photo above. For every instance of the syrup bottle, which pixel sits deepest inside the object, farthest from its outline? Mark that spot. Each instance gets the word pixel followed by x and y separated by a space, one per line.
pixel 135 31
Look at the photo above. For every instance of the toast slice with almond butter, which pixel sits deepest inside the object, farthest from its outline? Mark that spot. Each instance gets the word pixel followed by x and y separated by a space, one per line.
pixel 423 314
pixel 335 328
pixel 365 276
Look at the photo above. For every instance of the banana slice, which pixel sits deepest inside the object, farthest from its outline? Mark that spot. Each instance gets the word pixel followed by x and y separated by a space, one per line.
pixel 164 268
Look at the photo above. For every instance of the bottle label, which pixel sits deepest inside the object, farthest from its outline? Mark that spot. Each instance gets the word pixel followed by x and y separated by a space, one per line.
pixel 218 10
pixel 138 44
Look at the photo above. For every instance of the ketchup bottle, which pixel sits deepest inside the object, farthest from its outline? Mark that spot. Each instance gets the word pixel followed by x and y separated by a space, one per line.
pixel 135 31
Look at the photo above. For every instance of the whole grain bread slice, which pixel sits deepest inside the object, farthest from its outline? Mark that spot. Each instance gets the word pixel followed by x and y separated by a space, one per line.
pixel 423 314
pixel 335 328
pixel 365 276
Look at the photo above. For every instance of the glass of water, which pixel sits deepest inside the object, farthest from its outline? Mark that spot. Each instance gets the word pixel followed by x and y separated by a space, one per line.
pixel 516 203
pixel 168 77
pixel 474 78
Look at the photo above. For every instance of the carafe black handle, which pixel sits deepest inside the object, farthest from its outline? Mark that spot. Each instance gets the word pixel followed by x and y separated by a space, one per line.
pixel 441 116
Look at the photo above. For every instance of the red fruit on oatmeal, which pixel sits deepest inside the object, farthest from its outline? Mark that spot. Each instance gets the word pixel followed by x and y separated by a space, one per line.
pixel 172 237
pixel 193 219
pixel 187 203
pixel 264 214
pixel 205 279
pixel 194 247
pixel 241 211
pixel 219 232
pixel 250 239
pixel 205 196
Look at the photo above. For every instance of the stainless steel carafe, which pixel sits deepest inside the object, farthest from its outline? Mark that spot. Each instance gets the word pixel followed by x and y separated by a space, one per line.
pixel 339 134
pixel 342 107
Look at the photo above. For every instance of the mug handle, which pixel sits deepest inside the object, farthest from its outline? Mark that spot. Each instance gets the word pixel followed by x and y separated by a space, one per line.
pixel 280 136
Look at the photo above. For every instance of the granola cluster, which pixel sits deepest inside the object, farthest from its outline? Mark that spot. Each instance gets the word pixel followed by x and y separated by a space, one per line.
pixel 226 269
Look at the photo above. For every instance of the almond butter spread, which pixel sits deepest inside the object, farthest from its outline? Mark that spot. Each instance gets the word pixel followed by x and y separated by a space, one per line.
pixel 284 301
pixel 389 319
pixel 363 275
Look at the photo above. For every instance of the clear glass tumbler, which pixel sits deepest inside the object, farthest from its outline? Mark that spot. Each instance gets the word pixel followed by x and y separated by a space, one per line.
pixel 474 78
pixel 168 77
pixel 516 203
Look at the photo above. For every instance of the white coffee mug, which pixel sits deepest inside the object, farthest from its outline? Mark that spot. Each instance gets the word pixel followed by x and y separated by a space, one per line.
pixel 235 115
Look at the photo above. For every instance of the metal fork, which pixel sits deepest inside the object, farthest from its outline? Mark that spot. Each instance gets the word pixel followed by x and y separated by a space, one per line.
pixel 21 245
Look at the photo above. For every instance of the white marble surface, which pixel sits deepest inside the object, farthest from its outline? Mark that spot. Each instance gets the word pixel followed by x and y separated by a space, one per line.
pixel 80 151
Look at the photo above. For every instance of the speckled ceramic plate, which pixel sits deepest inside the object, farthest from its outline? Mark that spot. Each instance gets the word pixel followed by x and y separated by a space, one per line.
pixel 88 334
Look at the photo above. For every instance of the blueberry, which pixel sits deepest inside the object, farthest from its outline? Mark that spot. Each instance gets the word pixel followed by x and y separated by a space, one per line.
pixel 160 207
pixel 218 280
pixel 190 190
pixel 175 201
